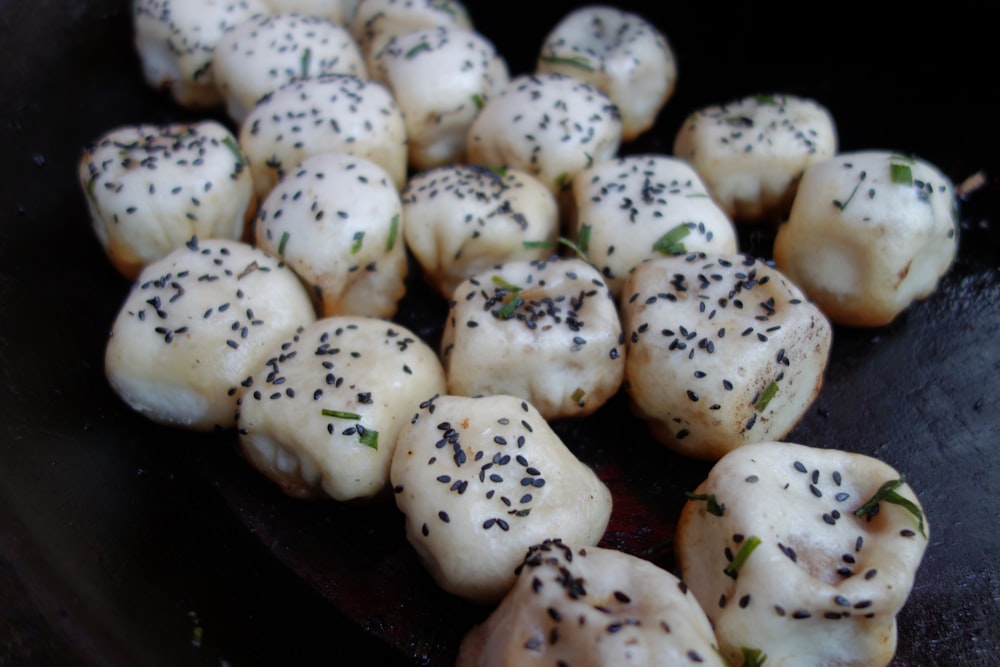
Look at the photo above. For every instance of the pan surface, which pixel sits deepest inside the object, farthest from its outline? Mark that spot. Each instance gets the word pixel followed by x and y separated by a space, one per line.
pixel 122 542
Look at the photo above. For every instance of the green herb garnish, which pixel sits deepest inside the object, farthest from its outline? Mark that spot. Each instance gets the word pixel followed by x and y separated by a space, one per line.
pixel 393 232
pixel 887 493
pixel 528 245
pixel 304 62
pixel 499 171
pixel 843 205
pixel 583 239
pixel 283 243
pixel 749 544
pixel 443 7
pixel 581 62
pixel 368 437
pixel 422 46
pixel 562 180
pixel 713 506
pixel 477 99
pixel 901 174
pixel 234 149
pixel 356 243
pixel 753 657
pixel 670 243
pixel 576 248
pixel 511 301
pixel 765 397
pixel 763 98
pixel 578 395
pixel 341 415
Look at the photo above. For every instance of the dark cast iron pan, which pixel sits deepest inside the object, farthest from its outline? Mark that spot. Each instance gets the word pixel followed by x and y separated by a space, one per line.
pixel 125 543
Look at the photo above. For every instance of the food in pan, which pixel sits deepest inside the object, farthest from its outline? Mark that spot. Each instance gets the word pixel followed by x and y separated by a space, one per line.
pixel 150 188
pixel 194 326
pixel 332 113
pixel 336 220
pixel 440 78
pixel 176 40
pixel 591 606
pixel 619 52
pixel 375 22
pixel 321 414
pixel 336 11
pixel 630 209
pixel 547 331
pixel 480 480
pixel 463 219
pixel 752 151
pixel 549 125
pixel 258 56
pixel 869 233
pixel 722 351
pixel 801 554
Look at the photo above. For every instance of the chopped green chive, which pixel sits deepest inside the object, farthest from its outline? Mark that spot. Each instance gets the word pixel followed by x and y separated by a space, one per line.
pixel 528 245
pixel 356 243
pixel 712 505
pixel 393 232
pixel 590 159
pixel 369 438
pixel 577 248
pixel 901 174
pixel 477 99
pixel 499 171
pixel 443 7
pixel 304 62
pixel 578 395
pixel 234 149
pixel 341 415
pixel 670 243
pixel 583 239
pixel 887 493
pixel 412 53
pixel 753 657
pixel 511 301
pixel 366 436
pixel 283 243
pixel 581 62
pixel 766 99
pixel 765 397
pixel 749 544
pixel 843 205
pixel 562 180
